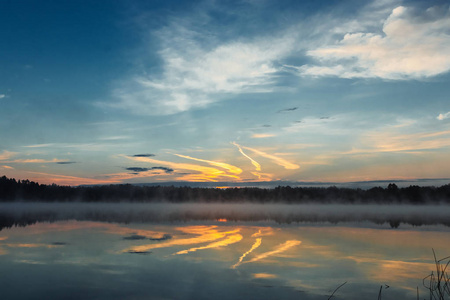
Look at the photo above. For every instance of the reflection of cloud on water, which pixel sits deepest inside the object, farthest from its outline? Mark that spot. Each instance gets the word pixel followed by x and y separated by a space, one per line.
pixel 139 252
pixel 206 234
pixel 394 271
pixel 229 240
pixel 264 276
pixel 254 246
pixel 264 231
pixel 280 248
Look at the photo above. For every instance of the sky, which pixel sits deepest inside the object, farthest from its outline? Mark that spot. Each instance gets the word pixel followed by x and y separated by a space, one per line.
pixel 100 92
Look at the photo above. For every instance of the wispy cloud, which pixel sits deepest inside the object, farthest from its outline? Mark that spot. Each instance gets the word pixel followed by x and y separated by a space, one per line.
pixel 7 167
pixel 204 173
pixel 138 169
pixel 255 163
pixel 287 109
pixel 5 155
pixel 49 178
pixel 230 168
pixel 278 160
pixel 413 45
pixel 441 117
pixel 2 96
pixel 39 161
pixel 197 72
pixel 144 155
pixel 262 135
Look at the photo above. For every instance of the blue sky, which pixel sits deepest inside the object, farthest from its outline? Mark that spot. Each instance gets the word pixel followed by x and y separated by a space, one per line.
pixel 257 90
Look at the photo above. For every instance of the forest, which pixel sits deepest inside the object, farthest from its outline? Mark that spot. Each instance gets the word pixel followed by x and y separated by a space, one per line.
pixel 12 190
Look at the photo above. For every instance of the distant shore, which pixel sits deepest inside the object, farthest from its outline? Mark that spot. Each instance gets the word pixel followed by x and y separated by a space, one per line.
pixel 12 190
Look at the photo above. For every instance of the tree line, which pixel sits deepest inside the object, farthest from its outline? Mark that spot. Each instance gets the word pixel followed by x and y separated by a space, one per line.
pixel 28 191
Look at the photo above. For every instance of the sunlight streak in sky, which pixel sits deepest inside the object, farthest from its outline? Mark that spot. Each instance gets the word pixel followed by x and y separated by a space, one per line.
pixel 256 164
pixel 278 160
pixel 230 168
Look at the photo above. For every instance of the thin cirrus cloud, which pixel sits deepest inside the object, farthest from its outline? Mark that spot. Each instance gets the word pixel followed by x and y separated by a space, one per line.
pixel 202 73
pixel 138 169
pixel 442 117
pixel 203 172
pixel 6 155
pixel 254 163
pixel 230 168
pixel 278 160
pixel 262 135
pixel 413 45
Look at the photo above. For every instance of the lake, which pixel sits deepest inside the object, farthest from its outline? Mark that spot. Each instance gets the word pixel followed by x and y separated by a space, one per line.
pixel 213 258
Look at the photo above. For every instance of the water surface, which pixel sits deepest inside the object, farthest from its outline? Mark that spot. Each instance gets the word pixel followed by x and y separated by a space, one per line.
pixel 216 260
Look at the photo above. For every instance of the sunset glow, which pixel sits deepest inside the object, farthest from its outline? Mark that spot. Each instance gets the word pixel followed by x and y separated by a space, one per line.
pixel 269 92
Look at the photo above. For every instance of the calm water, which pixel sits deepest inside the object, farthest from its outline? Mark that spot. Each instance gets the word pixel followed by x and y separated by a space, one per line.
pixel 216 260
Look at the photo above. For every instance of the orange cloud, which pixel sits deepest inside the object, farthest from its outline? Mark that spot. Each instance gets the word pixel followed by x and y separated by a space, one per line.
pixel 278 160
pixel 230 168
pixel 206 173
pixel 262 135
pixel 255 163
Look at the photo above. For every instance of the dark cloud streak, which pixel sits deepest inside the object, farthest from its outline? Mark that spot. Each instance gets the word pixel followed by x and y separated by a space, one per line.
pixel 144 155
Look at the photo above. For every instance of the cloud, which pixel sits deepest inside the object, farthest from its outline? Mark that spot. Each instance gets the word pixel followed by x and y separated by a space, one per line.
pixel 413 45
pixel 66 162
pixel 135 237
pixel 443 116
pixel 204 173
pixel 144 155
pixel 197 71
pixel 230 168
pixel 48 178
pixel 287 109
pixel 7 167
pixel 278 160
pixel 38 161
pixel 138 169
pixel 2 96
pixel 262 135
pixel 255 163
pixel 5 155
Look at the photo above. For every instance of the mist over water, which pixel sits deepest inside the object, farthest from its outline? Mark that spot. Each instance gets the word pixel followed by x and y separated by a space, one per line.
pixel 393 215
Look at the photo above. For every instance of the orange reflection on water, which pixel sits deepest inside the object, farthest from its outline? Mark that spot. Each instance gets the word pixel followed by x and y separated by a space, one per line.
pixel 206 234
pixel 254 246
pixel 227 241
